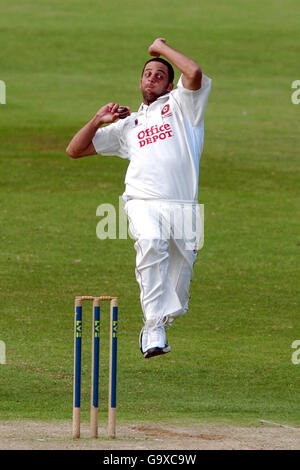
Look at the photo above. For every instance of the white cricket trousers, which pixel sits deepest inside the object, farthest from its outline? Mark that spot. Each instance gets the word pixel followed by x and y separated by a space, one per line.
pixel 166 250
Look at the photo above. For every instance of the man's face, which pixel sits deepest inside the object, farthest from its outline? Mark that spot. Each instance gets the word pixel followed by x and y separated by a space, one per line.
pixel 155 82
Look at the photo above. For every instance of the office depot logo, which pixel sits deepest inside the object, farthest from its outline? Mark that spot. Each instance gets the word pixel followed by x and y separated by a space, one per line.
pixel 154 134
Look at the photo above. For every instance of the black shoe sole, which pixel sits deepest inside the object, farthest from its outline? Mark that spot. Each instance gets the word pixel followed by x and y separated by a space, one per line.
pixel 152 352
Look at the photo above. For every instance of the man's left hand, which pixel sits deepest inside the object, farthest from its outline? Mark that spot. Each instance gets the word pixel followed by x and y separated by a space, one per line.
pixel 156 47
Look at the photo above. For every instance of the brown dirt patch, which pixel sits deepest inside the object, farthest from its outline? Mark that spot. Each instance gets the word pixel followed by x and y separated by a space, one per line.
pixel 31 435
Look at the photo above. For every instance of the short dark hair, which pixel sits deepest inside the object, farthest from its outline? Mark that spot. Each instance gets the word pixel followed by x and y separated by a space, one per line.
pixel 165 62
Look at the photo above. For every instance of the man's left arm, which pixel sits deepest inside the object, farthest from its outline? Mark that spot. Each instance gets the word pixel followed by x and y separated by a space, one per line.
pixel 191 72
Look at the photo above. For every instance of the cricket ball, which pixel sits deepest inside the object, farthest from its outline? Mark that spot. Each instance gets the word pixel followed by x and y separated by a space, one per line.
pixel 123 112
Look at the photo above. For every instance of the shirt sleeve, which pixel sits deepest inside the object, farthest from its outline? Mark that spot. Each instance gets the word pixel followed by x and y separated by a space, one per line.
pixel 109 140
pixel 193 102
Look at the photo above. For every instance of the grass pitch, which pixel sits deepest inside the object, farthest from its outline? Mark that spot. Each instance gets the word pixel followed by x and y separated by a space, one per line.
pixel 231 354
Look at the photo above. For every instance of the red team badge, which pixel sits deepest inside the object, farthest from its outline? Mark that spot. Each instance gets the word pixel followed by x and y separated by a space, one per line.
pixel 165 109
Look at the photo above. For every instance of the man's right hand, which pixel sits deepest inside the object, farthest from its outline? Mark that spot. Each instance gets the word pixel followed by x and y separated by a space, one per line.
pixel 81 145
pixel 108 113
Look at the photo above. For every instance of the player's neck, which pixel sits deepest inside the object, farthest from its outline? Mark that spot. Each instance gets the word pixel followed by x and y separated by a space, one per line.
pixel 147 102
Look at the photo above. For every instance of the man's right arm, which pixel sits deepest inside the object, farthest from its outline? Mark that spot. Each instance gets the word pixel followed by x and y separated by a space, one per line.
pixel 81 145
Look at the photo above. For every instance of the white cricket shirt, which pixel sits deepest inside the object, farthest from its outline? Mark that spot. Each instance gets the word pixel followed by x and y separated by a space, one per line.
pixel 163 142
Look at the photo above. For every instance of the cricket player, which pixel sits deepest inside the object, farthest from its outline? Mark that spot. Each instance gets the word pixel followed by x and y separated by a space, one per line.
pixel 163 142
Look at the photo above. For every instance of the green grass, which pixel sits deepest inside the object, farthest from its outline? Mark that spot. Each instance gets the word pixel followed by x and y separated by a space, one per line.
pixel 231 354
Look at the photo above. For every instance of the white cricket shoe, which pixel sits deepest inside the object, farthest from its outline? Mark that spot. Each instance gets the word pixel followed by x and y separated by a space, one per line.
pixel 153 341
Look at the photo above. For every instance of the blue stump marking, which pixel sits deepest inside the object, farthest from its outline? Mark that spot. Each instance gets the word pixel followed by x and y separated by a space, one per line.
pixel 113 402
pixel 96 356
pixel 78 339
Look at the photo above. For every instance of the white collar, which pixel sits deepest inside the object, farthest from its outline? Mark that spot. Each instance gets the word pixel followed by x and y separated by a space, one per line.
pixel 146 106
